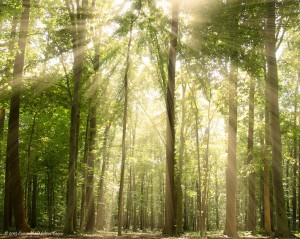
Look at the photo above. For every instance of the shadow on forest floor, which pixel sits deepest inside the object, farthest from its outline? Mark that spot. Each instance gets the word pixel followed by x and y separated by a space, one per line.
pixel 114 235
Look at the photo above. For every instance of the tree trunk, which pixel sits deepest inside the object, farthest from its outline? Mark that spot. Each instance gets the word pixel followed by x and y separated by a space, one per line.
pixel 170 215
pixel 231 174
pixel 142 205
pixel 100 203
pixel 90 205
pixel 282 229
pixel 217 194
pixel 78 30
pixel 231 171
pixel 33 221
pixel 50 198
pixel 84 175
pixel 250 226
pixel 2 120
pixel 28 175
pixel 134 216
pixel 199 184
pixel 295 154
pixel 206 171
pixel 13 187
pixel 179 196
pixel 120 199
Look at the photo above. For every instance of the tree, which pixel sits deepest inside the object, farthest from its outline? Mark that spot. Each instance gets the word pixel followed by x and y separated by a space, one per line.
pixel 282 229
pixel 171 203
pixel 231 171
pixel 250 226
pixel 78 17
pixel 13 187
pixel 127 64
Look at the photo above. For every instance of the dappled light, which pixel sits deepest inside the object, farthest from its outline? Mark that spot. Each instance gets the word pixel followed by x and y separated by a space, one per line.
pixel 149 119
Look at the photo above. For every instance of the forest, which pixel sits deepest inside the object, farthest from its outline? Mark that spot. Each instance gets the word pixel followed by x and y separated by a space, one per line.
pixel 163 117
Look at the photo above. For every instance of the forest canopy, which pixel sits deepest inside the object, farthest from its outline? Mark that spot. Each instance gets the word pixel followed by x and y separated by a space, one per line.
pixel 150 116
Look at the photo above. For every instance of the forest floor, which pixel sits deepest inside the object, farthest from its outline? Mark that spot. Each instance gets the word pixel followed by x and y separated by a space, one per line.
pixel 113 235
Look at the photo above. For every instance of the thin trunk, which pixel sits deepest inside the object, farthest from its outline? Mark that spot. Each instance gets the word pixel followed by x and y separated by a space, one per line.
pixel 142 205
pixel 152 204
pixel 90 205
pixel 199 185
pixel 49 199
pixel 84 175
pixel 78 30
pixel 250 226
pixel 120 199
pixel 13 187
pixel 179 197
pixel 170 203
pixel 28 175
pixel 217 194
pixel 100 203
pixel 129 201
pixel 33 221
pixel 206 170
pixel 295 155
pixel 134 226
pixel 282 229
pixel 2 120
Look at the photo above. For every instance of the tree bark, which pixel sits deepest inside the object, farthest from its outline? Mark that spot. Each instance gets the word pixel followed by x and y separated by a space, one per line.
pixel 100 203
pixel 250 226
pixel 282 229
pixel 206 171
pixel 120 199
pixel 84 175
pixel 231 171
pixel 33 222
pixel 2 120
pixel 295 154
pixel 28 176
pixel 231 174
pixel 13 187
pixel 179 196
pixel 78 30
pixel 170 215
pixel 90 205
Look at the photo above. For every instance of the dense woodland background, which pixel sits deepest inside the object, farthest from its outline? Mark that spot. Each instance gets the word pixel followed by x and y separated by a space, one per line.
pixel 150 115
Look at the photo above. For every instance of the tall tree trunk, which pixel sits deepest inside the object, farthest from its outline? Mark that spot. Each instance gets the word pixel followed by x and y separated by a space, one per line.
pixel 170 215
pixel 178 175
pixel 100 203
pixel 50 198
pixel 33 221
pixel 134 213
pixel 231 171
pixel 250 226
pixel 282 229
pixel 217 194
pixel 129 201
pixel 142 204
pixel 199 184
pixel 267 161
pixel 231 174
pixel 28 176
pixel 2 120
pixel 84 175
pixel 90 205
pixel 206 171
pixel 13 187
pixel 120 199
pixel 78 30
pixel 295 155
